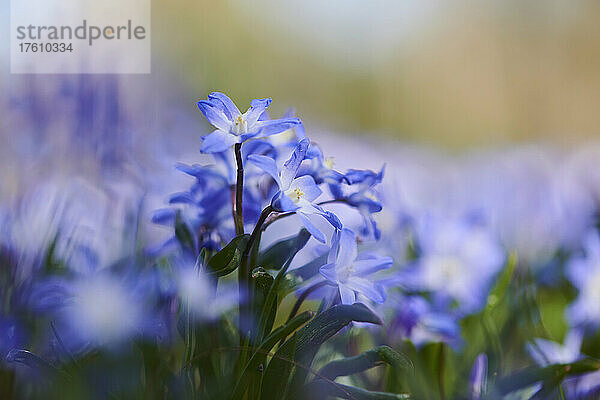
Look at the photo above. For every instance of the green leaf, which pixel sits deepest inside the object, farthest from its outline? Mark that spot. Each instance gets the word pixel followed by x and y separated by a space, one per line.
pixel 228 259
pixel 327 324
pixel 308 339
pixel 262 282
pixel 277 254
pixel 365 361
pixel 279 370
pixel 321 389
pixel 260 354
pixel 274 290
pixel 499 291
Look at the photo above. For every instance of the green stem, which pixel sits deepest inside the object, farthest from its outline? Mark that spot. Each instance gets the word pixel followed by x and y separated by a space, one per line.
pixel 303 297
pixel 441 365
pixel 245 269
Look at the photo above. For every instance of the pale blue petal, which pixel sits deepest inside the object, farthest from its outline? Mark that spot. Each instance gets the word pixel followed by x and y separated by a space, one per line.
pixel 367 267
pixel 328 272
pixel 347 295
pixel 257 108
pixel 275 126
pixel 181 198
pixel 290 168
pixel 229 106
pixel 164 216
pixel 478 377
pixel 335 247
pixel 227 158
pixel 366 288
pixel 214 115
pixel 348 249
pixel 267 164
pixel 217 142
pixel 308 186
pixel 283 203
pixel 317 234
pixel 332 219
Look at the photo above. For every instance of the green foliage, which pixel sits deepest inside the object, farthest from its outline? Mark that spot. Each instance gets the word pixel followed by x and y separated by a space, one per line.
pixel 277 254
pixel 228 259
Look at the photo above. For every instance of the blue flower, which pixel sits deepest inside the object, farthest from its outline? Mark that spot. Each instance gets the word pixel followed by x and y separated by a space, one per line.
pixel 233 126
pixel 458 261
pixel 364 199
pixel 203 300
pixel 320 168
pixel 415 319
pixel 351 273
pixel 584 274
pixel 545 352
pixel 295 194
pixel 101 309
pixel 478 378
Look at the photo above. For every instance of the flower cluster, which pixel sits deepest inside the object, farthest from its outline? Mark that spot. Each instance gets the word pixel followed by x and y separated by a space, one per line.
pixel 256 279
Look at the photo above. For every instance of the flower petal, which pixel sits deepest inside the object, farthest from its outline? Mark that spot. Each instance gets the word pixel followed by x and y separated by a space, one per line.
pixel 348 249
pixel 275 126
pixel 317 234
pixel 308 186
pixel 267 164
pixel 332 219
pixel 283 203
pixel 290 168
pixel 347 295
pixel 257 108
pixel 217 142
pixel 367 267
pixel 214 115
pixel 229 106
pixel 328 272
pixel 367 288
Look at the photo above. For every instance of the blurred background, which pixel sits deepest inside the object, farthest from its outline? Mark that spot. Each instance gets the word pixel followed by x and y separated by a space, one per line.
pixel 448 73
pixel 452 74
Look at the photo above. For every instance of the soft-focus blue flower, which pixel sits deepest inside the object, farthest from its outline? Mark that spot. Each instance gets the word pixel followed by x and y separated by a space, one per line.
pixel 584 273
pixel 457 263
pixel 104 309
pixel 351 273
pixel 295 194
pixel 415 319
pixel 233 126
pixel 545 352
pixel 204 300
pixel 478 378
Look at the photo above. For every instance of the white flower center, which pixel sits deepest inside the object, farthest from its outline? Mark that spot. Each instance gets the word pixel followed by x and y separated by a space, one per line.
pixel 444 271
pixel 295 194
pixel 345 274
pixel 239 125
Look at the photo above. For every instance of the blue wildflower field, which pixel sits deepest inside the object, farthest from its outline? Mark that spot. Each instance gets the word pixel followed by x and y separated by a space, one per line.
pixel 261 267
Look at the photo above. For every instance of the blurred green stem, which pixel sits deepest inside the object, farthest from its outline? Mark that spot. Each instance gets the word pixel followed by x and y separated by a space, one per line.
pixel 303 297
